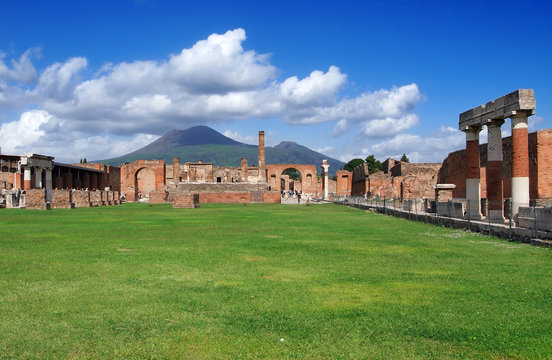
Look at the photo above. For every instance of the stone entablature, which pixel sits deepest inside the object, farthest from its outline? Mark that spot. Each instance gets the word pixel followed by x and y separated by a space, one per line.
pixel 504 107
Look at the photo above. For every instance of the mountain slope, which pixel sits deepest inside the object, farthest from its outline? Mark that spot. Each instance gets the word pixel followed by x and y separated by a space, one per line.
pixel 208 145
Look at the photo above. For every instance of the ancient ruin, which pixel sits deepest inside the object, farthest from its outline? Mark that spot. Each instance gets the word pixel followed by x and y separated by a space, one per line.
pixel 517 106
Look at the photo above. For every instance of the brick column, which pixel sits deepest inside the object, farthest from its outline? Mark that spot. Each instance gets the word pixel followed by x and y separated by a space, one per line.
pixel 495 201
pixel 262 167
pixel 473 173
pixel 26 178
pixel 176 170
pixel 243 173
pixel 520 162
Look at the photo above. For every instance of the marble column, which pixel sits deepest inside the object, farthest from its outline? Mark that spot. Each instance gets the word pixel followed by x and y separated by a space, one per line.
pixel 325 184
pixel 473 173
pixel 520 162
pixel 495 201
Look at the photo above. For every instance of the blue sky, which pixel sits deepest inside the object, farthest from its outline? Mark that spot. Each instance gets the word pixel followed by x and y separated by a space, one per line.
pixel 349 78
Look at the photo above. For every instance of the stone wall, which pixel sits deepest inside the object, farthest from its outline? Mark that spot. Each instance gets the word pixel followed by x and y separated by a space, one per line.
pixel 130 173
pixel 36 199
pixel 81 198
pixel 61 199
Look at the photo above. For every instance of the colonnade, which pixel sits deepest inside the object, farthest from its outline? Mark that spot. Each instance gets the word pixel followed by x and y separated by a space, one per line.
pixel 517 106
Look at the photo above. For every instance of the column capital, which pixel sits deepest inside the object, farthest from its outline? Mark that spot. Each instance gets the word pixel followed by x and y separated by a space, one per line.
pixel 472 129
pixel 521 114
pixel 495 122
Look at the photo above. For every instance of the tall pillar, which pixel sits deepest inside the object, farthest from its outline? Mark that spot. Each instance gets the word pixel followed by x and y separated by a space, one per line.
pixel 262 166
pixel 38 177
pixel 325 184
pixel 243 173
pixel 520 162
pixel 26 178
pixel 495 201
pixel 176 170
pixel 473 173
pixel 48 184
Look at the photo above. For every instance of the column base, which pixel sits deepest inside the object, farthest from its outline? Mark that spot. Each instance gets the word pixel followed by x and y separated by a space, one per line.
pixel 496 216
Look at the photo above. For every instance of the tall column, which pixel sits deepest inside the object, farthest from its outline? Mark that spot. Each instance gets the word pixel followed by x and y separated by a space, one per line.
pixel 262 167
pixel 325 184
pixel 176 170
pixel 473 173
pixel 26 178
pixel 48 184
pixel 38 177
pixel 495 201
pixel 520 162
pixel 243 173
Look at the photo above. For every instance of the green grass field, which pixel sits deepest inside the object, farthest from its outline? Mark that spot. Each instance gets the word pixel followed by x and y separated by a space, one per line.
pixel 265 281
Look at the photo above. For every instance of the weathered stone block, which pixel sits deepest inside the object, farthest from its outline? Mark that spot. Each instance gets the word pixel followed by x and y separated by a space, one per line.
pixel 451 209
pixel 61 199
pixel 81 198
pixel 36 199
pixel 543 221
pixel 158 196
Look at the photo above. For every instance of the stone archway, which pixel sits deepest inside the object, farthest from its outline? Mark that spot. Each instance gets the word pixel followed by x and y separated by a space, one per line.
pixel 142 176
pixel 308 176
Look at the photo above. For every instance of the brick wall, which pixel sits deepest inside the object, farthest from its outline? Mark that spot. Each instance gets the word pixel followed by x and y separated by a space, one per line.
pixel 344 182
pixel 186 201
pixel 453 170
pixel 271 197
pixel 158 197
pixel 226 198
pixel 61 199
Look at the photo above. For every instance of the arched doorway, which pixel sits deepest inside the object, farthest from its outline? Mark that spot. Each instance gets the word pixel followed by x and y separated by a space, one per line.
pixel 144 183
pixel 291 180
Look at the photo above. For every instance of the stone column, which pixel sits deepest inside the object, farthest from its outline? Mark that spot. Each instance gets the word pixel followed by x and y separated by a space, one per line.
pixel 243 173
pixel 38 177
pixel 262 167
pixel 473 173
pixel 520 162
pixel 26 178
pixel 495 201
pixel 48 185
pixel 325 184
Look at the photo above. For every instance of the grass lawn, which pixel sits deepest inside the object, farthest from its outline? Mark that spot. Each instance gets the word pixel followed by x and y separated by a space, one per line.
pixel 265 281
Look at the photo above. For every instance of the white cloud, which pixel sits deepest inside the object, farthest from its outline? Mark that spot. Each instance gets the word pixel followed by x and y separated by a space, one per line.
pixel 379 128
pixel 249 139
pixel 39 132
pixel 432 148
pixel 214 81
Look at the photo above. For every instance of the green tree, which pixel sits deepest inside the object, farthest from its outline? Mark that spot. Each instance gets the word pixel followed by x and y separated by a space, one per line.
pixel 404 158
pixel 84 161
pixel 374 165
pixel 353 164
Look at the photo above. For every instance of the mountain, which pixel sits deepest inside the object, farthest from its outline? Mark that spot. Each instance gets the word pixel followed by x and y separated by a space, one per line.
pixel 208 145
